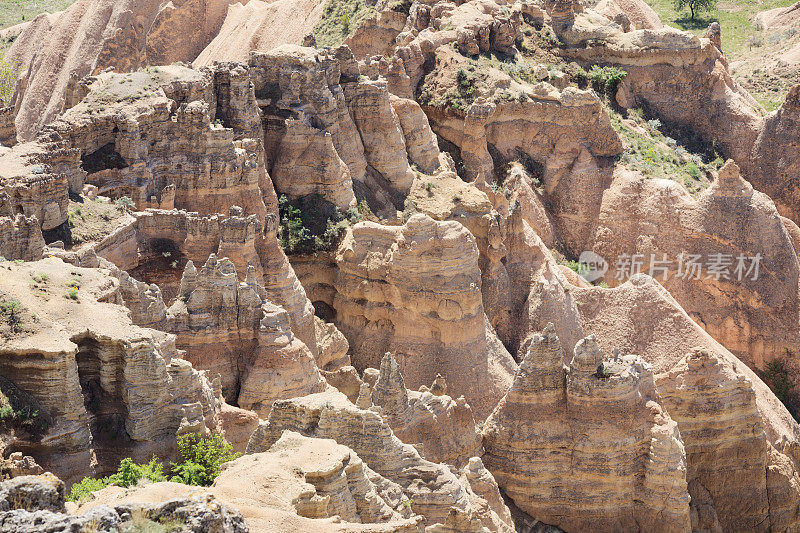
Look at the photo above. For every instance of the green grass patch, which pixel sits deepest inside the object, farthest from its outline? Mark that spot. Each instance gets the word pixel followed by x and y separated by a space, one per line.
pixel 656 155
pixel 340 20
pixel 16 11
pixel 735 17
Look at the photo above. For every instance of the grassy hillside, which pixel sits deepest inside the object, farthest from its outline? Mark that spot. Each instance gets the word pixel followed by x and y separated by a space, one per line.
pixel 734 16
pixel 16 11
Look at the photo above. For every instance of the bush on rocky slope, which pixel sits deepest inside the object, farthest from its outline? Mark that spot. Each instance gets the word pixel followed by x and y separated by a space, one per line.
pixel 128 475
pixel 311 224
pixel 200 458
pixel 199 464
pixel 340 20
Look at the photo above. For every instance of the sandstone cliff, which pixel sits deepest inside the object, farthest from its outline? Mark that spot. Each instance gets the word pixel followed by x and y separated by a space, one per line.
pixel 231 329
pixel 433 490
pixel 559 427
pixel 415 291
pixel 109 387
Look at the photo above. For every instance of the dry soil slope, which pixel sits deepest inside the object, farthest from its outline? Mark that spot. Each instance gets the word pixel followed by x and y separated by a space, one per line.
pixel 261 26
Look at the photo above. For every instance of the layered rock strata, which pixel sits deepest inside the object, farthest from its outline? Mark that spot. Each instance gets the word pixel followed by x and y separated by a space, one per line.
pixel 109 387
pixel 231 329
pixel 415 291
pixel 433 490
pixel 440 428
pixel 560 426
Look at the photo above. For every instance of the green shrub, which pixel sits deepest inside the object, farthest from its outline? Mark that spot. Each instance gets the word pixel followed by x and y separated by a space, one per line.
pixel 200 458
pixel 578 267
pixel 124 204
pixel 128 474
pixel 313 225
pixel 12 310
pixel 71 294
pixel 606 79
pixel 693 170
pixel 81 490
pixel 776 376
pixel 581 77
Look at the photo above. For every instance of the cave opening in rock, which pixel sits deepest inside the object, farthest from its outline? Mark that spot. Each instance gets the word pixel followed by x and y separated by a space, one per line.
pixel 104 158
pixel 162 263
pixel 324 311
pixel 102 394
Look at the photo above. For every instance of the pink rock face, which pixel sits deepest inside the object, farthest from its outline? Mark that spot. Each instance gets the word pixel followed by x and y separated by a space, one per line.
pixel 750 304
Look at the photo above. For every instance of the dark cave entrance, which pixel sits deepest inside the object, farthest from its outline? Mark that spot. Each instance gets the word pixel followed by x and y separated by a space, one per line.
pixel 102 395
pixel 104 158
pixel 324 311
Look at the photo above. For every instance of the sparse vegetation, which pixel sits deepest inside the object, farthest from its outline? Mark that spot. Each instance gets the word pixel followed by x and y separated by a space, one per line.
pixel 124 204
pixel 9 74
pixel 694 6
pixel 16 11
pixel 128 474
pixel 12 310
pixel 779 378
pixel 734 16
pixel 71 294
pixel 340 20
pixel 605 80
pixel 654 154
pixel 312 225
pixel 199 464
pixel 200 458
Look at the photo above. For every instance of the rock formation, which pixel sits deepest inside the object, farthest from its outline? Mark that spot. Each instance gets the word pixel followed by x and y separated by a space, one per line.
pixel 372 381
pixel 440 428
pixel 560 426
pixel 433 490
pixel 719 255
pixel 92 36
pixel 701 392
pixel 230 329
pixel 415 291
pixel 36 503
pixel 109 387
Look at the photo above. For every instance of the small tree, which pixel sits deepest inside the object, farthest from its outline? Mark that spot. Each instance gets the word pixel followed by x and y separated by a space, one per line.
pixel 694 6
pixel 200 458
pixel 12 309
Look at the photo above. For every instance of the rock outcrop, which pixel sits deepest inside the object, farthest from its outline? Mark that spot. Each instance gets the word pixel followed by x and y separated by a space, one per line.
pixel 91 36
pixel 108 388
pixel 299 484
pixel 559 427
pixel 726 257
pixel 36 503
pixel 726 453
pixel 441 429
pixel 433 490
pixel 415 291
pixel 260 26
pixel 231 329
pixel 336 127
